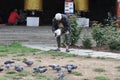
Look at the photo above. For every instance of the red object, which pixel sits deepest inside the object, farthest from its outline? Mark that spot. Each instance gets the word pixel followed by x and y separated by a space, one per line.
pixel 13 17
pixel 118 8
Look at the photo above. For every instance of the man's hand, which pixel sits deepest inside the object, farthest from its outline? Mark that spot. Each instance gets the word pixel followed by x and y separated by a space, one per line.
pixel 57 32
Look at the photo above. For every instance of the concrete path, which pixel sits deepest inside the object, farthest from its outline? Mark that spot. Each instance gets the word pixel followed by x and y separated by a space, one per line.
pixel 81 52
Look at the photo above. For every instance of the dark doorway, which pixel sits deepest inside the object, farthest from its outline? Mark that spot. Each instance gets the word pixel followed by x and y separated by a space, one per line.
pixel 50 8
pixel 98 9
pixel 6 6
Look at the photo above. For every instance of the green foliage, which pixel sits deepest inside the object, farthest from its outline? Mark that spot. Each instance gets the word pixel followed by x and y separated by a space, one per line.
pixel 86 42
pixel 114 44
pixel 101 78
pixel 75 30
pixel 98 34
pixel 108 36
pixel 99 70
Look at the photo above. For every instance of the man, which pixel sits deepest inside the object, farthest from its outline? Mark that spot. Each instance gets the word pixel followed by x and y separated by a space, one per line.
pixel 13 18
pixel 61 26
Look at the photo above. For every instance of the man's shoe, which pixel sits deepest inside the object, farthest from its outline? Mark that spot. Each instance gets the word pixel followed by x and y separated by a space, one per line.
pixel 67 50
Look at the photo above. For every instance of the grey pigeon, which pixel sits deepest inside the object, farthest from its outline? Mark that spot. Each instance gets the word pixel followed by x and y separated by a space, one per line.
pixel 53 66
pixel 28 63
pixel 70 67
pixel 57 68
pixel 1 69
pixel 40 69
pixel 61 75
pixel 8 66
pixel 19 68
pixel 74 66
pixel 9 62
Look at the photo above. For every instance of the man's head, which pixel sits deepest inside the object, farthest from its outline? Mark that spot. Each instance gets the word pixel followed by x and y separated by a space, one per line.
pixel 58 16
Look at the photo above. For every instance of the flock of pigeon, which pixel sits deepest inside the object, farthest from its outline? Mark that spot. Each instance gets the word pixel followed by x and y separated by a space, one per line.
pixel 41 69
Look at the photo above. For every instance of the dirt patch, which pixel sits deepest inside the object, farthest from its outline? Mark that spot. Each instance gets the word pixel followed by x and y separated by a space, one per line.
pixel 85 65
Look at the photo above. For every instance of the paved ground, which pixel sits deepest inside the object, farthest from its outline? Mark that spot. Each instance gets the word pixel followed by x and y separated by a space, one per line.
pixel 81 52
pixel 43 38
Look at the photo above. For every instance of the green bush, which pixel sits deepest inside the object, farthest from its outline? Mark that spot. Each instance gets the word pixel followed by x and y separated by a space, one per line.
pixel 114 44
pixel 75 30
pixel 86 42
pixel 98 35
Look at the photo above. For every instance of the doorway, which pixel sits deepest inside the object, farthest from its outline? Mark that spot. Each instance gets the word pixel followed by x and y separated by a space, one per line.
pixel 98 9
pixel 50 8
pixel 6 6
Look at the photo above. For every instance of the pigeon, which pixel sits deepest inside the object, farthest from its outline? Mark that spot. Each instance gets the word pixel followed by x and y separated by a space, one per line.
pixel 19 68
pixel 73 66
pixel 36 68
pixel 57 68
pixel 40 69
pixel 9 62
pixel 70 67
pixel 28 63
pixel 61 75
pixel 1 69
pixel 7 66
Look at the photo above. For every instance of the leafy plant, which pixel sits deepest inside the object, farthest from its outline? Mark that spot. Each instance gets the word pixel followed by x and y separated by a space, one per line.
pixel 75 30
pixel 114 44
pixel 86 42
pixel 98 34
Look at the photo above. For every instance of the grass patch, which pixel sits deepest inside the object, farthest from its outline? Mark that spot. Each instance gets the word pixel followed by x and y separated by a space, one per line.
pixel 101 78
pixel 3 78
pixel 54 53
pixel 99 70
pixel 77 73
pixel 88 56
pixel 118 68
pixel 117 79
pixel 3 55
pixel 85 79
pixel 41 76
pixel 16 75
pixel 16 47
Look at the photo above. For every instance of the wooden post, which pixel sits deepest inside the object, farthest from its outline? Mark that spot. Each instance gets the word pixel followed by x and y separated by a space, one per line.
pixel 118 13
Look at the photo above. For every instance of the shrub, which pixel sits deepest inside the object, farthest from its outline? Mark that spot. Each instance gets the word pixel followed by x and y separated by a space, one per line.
pixel 114 44
pixel 75 31
pixel 86 42
pixel 98 34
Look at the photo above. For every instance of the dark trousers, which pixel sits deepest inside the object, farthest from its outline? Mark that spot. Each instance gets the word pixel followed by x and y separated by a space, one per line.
pixel 67 40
